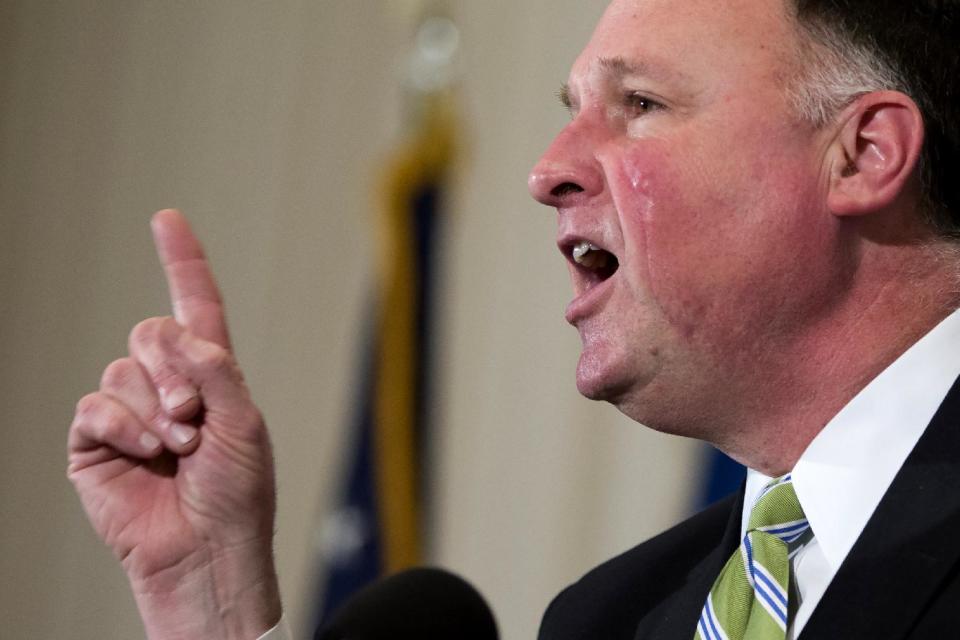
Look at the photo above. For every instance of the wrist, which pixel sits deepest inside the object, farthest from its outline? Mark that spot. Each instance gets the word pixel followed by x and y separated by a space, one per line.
pixel 219 596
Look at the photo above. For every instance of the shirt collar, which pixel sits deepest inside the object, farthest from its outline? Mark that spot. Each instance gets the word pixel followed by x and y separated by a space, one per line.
pixel 848 467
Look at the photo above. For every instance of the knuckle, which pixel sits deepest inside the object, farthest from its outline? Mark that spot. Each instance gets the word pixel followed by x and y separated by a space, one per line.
pixel 215 359
pixel 147 333
pixel 165 378
pixel 117 374
pixel 142 334
pixel 152 342
pixel 110 427
pixel 87 405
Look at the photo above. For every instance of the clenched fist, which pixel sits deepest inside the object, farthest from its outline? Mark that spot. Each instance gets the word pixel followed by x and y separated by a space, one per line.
pixel 172 462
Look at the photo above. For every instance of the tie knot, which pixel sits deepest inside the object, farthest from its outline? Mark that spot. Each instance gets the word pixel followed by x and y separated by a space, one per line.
pixel 777 511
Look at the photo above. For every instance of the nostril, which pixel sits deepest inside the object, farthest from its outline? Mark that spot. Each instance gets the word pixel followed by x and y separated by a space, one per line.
pixel 565 189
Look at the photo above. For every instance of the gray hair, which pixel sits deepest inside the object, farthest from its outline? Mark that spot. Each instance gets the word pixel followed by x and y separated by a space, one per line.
pixel 836 68
pixel 835 71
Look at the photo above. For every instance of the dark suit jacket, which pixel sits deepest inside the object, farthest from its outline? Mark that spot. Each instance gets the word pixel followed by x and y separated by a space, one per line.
pixel 900 580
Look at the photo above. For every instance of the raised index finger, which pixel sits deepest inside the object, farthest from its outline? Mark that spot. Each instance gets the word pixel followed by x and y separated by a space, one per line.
pixel 194 295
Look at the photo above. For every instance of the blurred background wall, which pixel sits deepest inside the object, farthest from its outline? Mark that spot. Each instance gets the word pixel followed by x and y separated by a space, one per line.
pixel 265 122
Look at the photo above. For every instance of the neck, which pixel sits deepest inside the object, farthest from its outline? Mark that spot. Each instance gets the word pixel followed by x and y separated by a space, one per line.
pixel 898 295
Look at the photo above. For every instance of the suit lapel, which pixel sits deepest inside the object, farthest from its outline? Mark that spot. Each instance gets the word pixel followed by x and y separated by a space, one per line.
pixel 908 546
pixel 678 620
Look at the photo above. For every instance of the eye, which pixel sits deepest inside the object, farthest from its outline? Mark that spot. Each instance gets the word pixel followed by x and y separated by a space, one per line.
pixel 637 104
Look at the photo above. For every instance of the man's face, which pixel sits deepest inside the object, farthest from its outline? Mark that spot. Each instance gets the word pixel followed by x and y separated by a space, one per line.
pixel 684 161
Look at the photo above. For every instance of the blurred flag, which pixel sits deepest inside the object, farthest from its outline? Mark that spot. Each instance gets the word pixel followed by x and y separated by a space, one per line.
pixel 722 477
pixel 376 528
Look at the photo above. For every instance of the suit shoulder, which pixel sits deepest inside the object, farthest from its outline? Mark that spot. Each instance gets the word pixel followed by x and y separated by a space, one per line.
pixel 610 600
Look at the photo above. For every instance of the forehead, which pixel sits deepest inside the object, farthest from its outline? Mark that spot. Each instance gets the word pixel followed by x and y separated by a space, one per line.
pixel 693 38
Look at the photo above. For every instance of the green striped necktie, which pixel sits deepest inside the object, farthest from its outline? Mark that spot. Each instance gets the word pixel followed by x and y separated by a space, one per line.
pixel 749 599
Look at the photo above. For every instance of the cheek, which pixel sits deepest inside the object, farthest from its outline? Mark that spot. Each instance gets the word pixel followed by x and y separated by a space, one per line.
pixel 704 240
pixel 671 214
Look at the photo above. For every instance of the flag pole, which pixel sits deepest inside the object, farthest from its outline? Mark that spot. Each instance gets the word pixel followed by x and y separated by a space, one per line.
pixel 377 526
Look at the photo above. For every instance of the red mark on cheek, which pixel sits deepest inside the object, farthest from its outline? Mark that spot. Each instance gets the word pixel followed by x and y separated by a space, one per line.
pixel 638 176
pixel 661 232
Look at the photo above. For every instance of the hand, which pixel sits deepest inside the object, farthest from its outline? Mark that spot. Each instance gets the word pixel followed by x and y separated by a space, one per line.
pixel 172 462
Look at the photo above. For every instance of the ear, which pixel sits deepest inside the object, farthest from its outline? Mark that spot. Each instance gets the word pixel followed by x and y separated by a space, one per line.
pixel 875 154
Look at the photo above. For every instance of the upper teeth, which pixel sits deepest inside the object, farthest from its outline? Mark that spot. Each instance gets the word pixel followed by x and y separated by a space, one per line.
pixel 583 249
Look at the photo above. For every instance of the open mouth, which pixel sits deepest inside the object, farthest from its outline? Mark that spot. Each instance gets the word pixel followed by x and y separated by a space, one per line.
pixel 593 264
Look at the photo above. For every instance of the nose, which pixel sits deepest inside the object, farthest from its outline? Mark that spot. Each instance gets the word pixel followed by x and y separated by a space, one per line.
pixel 568 172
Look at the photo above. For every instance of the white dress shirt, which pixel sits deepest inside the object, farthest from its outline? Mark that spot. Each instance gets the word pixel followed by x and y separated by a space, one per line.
pixel 849 466
pixel 860 451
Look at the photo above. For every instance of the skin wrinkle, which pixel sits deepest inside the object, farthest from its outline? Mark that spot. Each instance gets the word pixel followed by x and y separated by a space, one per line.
pixel 619 69
pixel 651 258
pixel 745 311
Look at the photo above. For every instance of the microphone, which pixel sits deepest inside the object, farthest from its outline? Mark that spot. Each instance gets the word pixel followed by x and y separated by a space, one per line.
pixel 423 603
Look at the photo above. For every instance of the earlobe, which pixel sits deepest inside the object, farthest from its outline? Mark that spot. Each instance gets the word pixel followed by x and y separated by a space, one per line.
pixel 875 153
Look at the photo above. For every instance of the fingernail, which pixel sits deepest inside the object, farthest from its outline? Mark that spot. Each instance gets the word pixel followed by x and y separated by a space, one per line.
pixel 177 397
pixel 149 442
pixel 183 433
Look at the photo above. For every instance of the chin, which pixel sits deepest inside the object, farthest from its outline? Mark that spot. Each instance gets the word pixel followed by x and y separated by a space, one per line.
pixel 599 380
pixel 636 390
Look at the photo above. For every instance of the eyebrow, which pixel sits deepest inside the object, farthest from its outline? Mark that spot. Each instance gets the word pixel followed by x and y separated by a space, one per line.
pixel 618 68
